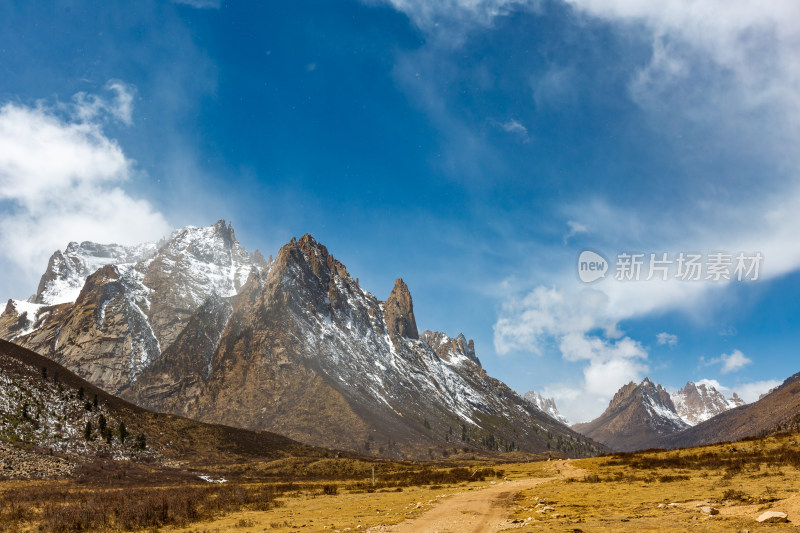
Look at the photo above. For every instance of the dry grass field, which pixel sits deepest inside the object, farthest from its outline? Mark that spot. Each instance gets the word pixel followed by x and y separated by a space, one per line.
pixel 667 491
pixel 646 491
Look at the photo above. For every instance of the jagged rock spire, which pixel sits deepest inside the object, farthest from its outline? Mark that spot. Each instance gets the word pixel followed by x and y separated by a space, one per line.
pixel 399 312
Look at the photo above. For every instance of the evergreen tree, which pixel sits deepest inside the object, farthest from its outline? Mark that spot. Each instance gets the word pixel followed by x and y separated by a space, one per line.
pixel 123 432
pixel 87 433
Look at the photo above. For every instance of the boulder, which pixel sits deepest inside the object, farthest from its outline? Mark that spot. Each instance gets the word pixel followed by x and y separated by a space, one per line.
pixel 772 517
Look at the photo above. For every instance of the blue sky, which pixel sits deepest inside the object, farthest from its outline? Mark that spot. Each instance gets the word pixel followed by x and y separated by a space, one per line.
pixel 472 147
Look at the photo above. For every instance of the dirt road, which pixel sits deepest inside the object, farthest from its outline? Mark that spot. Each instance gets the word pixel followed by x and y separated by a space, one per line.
pixel 477 511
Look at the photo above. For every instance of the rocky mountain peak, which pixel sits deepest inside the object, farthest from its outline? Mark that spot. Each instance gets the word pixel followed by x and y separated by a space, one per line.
pixel 201 329
pixel 399 312
pixel 625 392
pixel 696 403
pixel 66 272
pixel 226 232
pixel 545 405
pixel 637 417
pixel 308 253
pixel 451 350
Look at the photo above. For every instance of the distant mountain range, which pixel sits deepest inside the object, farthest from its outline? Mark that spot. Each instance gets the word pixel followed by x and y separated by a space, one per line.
pixel 647 416
pixel 196 326
pixel 636 418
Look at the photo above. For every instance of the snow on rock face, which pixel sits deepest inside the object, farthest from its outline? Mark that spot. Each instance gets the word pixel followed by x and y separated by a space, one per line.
pixel 658 403
pixel 545 405
pixel 136 309
pixel 453 351
pixel 193 264
pixel 698 403
pixel 343 332
pixel 67 271
pixel 342 367
pixel 201 261
pixel 23 317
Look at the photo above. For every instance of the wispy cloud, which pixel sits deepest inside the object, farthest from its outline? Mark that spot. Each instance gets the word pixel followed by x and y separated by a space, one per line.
pixel 575 228
pixel 668 339
pixel 513 126
pixel 736 77
pixel 200 4
pixel 448 21
pixel 62 179
pixel 91 107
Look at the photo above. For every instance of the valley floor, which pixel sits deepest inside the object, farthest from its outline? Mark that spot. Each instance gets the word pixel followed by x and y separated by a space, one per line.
pixel 647 491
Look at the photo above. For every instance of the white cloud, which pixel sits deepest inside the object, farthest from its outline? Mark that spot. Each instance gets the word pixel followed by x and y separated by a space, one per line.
pixel 575 228
pixel 668 339
pixel 749 392
pixel 513 126
pixel 457 16
pixel 731 69
pixel 578 325
pixel 91 107
pixel 734 361
pixel 61 179
pixel 731 362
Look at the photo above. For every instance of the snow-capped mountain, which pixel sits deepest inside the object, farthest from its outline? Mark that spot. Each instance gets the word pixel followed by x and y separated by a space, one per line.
pixel 697 403
pixel 636 418
pixel 67 271
pixel 203 329
pixel 545 405
pixel 131 302
pixel 776 411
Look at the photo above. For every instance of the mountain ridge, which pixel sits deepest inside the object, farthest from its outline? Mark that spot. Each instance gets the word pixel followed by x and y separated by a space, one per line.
pixel 296 346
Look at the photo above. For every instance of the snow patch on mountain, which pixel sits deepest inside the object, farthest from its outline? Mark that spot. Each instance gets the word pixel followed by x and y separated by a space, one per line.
pixel 545 405
pixel 29 315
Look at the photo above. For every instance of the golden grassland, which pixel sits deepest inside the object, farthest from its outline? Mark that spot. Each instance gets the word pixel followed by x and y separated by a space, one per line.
pixel 665 490
pixel 646 491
